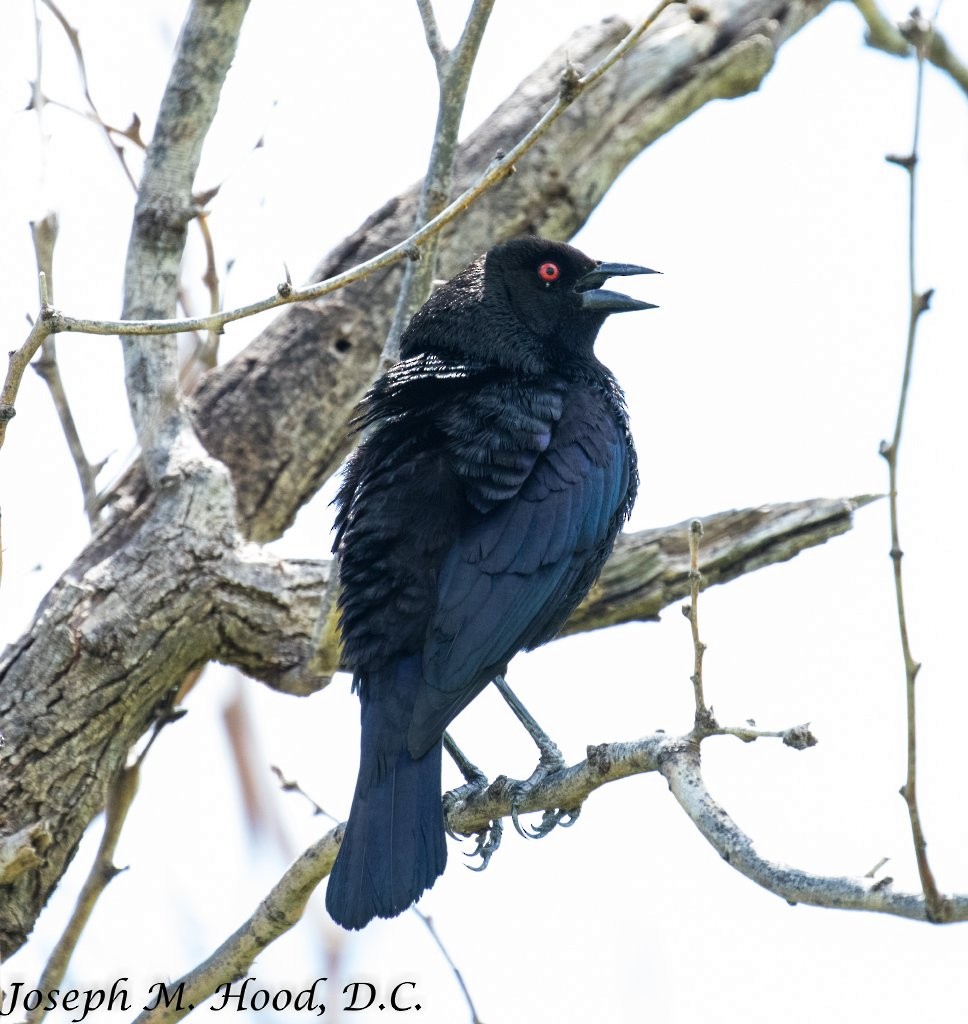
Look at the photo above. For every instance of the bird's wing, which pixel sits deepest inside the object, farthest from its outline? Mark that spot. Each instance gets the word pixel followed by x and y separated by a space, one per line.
pixel 516 572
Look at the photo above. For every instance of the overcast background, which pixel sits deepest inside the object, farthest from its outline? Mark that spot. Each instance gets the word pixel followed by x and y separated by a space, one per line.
pixel 769 373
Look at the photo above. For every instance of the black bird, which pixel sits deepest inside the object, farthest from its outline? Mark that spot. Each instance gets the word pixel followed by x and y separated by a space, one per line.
pixel 495 472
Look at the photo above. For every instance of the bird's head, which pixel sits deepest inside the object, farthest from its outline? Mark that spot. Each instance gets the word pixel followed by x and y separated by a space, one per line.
pixel 556 292
pixel 527 304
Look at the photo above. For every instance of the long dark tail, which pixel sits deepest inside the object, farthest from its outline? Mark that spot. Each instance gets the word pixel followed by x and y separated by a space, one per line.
pixel 394 845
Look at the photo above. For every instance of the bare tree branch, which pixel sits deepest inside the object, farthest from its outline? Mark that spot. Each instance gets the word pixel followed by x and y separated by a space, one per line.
pixel 162 213
pixel 131 133
pixel 453 76
pixel 901 41
pixel 703 717
pixel 44 234
pixel 937 906
pixel 679 763
pixel 650 569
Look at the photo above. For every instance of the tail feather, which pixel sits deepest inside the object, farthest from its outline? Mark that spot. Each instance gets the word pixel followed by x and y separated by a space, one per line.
pixel 394 845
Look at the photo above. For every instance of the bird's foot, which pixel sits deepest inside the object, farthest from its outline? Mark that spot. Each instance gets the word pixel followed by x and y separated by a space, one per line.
pixel 476 785
pixel 488 842
pixel 488 838
pixel 461 795
pixel 550 763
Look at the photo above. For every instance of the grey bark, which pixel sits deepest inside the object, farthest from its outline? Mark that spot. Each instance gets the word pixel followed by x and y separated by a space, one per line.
pixel 170 582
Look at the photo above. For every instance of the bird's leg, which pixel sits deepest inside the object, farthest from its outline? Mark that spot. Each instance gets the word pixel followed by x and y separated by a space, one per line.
pixel 549 762
pixel 551 758
pixel 488 839
pixel 473 776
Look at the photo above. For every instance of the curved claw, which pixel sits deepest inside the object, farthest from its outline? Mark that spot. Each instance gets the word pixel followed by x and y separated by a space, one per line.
pixel 488 842
pixel 572 817
pixel 522 832
pixel 551 819
pixel 566 817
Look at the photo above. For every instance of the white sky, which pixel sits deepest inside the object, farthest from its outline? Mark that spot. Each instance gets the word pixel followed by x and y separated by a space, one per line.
pixel 770 373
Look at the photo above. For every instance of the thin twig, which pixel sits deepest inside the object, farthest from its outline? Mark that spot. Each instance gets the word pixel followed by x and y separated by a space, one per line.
pixel 453 76
pixel 103 872
pixel 883 34
pixel 44 233
pixel 17 362
pixel 429 922
pixel 74 39
pixel 704 718
pixel 204 355
pixel 798 736
pixel 292 786
pixel 936 905
pixel 877 867
pixel 52 321
pixel 37 98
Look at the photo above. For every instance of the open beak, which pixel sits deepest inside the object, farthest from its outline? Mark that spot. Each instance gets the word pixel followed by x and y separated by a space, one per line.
pixel 600 300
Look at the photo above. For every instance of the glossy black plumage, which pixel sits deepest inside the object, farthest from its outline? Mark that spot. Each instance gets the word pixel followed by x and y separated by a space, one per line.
pixel 494 475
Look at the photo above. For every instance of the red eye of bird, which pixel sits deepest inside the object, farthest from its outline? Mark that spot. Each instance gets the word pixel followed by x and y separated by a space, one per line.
pixel 549 272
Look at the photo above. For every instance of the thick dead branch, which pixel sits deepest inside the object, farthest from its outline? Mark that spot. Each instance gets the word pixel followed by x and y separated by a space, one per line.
pixel 650 569
pixel 267 626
